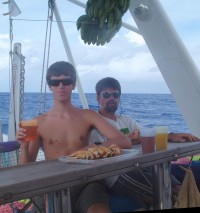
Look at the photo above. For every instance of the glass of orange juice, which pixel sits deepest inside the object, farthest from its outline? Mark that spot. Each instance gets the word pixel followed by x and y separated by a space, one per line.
pixel 31 127
pixel 161 137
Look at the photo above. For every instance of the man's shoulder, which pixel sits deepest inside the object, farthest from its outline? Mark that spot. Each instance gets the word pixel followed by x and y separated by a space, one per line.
pixel 43 115
pixel 123 116
pixel 126 118
pixel 89 111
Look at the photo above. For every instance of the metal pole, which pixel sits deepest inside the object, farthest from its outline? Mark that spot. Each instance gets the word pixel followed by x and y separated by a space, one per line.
pixel 162 186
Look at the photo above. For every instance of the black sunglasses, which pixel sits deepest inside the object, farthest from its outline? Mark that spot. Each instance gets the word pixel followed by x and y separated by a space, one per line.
pixel 56 82
pixel 107 95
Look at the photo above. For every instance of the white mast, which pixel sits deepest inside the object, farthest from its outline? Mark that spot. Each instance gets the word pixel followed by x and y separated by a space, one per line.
pixel 175 63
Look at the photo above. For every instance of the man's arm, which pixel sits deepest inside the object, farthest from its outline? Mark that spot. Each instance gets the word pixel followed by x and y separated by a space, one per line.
pixel 113 135
pixel 182 137
pixel 23 154
pixel 96 136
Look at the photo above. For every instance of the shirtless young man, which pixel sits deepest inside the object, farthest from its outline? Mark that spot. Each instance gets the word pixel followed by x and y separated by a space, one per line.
pixel 65 129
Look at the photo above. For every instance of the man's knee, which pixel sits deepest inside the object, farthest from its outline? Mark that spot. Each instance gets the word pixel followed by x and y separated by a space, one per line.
pixel 99 208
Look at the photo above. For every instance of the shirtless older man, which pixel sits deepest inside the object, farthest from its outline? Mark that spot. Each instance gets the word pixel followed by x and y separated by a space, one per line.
pixel 65 129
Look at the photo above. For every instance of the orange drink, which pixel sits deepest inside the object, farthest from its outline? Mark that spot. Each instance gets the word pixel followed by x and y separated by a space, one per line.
pixel 161 137
pixel 31 129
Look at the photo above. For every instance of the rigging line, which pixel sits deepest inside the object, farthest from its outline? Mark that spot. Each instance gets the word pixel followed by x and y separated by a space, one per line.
pixel 42 20
pixel 48 29
pixel 73 22
pixel 49 45
pixel 44 58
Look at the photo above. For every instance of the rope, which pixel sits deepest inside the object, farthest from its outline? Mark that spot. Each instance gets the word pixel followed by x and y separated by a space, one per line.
pixel 49 17
pixel 40 20
pixel 49 45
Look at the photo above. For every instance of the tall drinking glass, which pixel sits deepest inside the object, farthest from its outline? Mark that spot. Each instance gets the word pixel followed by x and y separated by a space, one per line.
pixel 31 127
pixel 147 140
pixel 161 137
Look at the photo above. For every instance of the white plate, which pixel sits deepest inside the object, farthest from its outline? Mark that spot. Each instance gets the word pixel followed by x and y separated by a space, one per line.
pixel 125 154
pixel 67 159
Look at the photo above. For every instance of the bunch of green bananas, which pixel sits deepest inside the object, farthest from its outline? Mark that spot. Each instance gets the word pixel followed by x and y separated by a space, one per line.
pixel 103 19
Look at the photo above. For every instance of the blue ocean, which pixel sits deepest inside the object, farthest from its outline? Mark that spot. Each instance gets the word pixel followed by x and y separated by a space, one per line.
pixel 147 109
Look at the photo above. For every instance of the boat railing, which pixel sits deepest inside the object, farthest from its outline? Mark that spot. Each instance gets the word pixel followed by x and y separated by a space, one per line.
pixel 9 152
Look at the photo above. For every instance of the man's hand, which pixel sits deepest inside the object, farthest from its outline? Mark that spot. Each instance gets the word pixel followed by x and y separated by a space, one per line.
pixel 21 134
pixel 134 136
pixel 182 137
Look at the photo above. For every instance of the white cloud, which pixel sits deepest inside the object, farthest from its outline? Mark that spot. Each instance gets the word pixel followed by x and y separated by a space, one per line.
pixel 4 36
pixel 126 57
pixel 135 39
pixel 4 51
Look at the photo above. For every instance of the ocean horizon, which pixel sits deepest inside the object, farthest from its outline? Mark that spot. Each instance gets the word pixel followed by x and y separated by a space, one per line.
pixel 148 109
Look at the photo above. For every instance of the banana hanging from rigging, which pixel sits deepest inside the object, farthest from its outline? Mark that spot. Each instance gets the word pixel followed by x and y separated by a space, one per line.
pixel 103 19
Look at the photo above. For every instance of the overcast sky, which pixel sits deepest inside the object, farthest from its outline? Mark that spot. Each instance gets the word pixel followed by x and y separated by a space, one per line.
pixel 126 57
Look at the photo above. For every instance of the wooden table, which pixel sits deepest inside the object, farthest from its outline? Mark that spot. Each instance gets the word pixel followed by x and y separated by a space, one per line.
pixel 22 181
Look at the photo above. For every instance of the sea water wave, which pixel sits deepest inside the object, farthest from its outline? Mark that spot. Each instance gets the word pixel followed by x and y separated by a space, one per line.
pixel 147 109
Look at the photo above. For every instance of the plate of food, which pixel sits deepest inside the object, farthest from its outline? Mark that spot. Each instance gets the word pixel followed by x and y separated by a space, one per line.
pixel 98 153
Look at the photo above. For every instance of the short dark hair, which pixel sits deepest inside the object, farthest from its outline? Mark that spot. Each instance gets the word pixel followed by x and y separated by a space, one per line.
pixel 107 83
pixel 61 68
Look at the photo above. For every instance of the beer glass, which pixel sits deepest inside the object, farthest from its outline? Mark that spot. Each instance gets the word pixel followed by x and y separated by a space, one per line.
pixel 147 140
pixel 161 137
pixel 31 127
